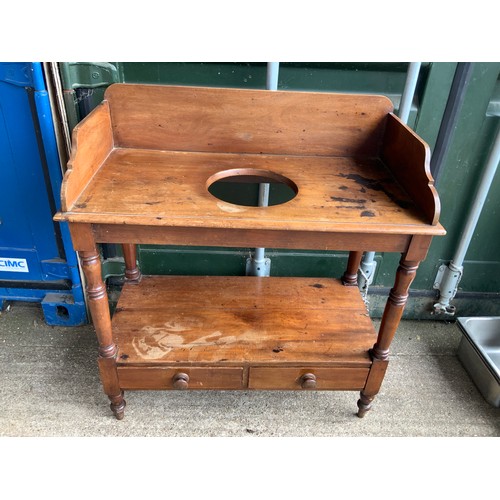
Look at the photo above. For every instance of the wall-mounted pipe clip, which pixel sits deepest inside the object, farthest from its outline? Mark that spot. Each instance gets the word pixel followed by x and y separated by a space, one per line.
pixel 447 279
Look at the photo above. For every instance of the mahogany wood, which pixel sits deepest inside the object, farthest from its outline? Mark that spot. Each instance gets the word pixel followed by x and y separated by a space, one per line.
pixel 164 378
pixel 98 302
pixel 418 247
pixel 393 311
pixel 408 158
pixel 111 385
pixel 132 272
pixel 226 237
pixel 139 172
pixel 250 175
pixel 151 188
pixel 238 320
pixel 82 237
pixel 99 309
pixel 364 404
pixel 92 143
pixel 292 378
pixel 179 292
pixel 372 387
pixel 246 121
pixel 350 277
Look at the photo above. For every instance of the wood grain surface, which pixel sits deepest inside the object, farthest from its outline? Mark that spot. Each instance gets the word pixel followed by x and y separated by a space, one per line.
pixel 92 143
pixel 247 121
pixel 158 188
pixel 140 169
pixel 381 238
pixel 220 378
pixel 290 378
pixel 408 158
pixel 237 320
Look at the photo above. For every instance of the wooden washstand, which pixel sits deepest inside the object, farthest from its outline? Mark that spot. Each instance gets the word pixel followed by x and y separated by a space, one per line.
pixel 139 173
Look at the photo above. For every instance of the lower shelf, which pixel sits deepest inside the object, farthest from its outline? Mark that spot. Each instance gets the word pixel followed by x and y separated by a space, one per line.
pixel 242 333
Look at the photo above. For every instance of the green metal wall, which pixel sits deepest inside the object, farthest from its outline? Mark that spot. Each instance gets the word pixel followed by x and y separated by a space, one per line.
pixel 479 290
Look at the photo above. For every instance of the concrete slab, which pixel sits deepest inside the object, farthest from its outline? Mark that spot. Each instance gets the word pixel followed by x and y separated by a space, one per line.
pixel 49 386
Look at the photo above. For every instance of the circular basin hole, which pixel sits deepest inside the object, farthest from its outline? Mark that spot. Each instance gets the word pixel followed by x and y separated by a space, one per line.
pixel 240 186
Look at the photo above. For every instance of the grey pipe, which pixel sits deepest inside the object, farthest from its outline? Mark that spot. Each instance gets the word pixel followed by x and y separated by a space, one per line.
pixel 259 258
pixel 477 206
pixel 258 265
pixel 271 84
pixel 273 70
pixel 449 276
pixel 409 91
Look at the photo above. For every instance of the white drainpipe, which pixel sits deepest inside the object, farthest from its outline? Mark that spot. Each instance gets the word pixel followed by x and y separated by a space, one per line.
pixel 258 265
pixel 368 263
pixel 449 275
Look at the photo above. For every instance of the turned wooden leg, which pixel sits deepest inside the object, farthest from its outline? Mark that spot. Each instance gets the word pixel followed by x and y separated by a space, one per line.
pixel 132 272
pixel 99 309
pixel 393 311
pixel 372 386
pixel 394 307
pixel 118 406
pixel 350 277
pixel 364 404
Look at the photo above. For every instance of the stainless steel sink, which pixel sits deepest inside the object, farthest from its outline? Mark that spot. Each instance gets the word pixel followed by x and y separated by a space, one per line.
pixel 479 352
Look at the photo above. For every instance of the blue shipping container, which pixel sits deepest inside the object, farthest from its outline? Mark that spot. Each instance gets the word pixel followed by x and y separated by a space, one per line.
pixel 37 261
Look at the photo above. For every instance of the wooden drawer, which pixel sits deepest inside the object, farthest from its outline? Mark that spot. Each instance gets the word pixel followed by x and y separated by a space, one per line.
pixel 180 377
pixel 307 378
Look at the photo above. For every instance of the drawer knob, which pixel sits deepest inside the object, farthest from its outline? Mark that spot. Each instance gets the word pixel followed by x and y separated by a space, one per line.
pixel 308 381
pixel 181 381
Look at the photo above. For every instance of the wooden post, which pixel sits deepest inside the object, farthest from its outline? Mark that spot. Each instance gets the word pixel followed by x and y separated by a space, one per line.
pixel 101 318
pixel 350 277
pixel 132 272
pixel 393 311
